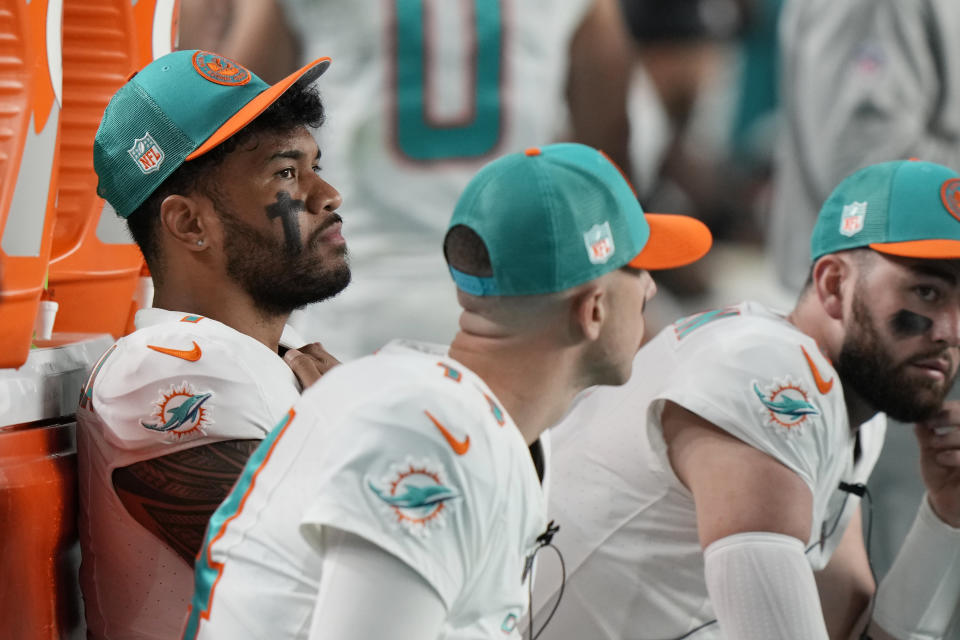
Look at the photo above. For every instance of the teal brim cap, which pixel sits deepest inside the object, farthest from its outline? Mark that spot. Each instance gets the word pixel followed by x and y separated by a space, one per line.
pixel 558 216
pixel 905 208
pixel 175 109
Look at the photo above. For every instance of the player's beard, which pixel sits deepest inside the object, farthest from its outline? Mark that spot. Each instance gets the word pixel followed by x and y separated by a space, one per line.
pixel 866 366
pixel 277 281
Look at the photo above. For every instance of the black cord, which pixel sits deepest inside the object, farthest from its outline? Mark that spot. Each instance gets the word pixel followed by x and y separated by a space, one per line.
pixel 865 635
pixel 545 539
pixel 563 581
pixel 697 629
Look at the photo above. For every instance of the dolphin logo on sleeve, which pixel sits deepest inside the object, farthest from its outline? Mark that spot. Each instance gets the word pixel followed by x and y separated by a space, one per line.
pixel 786 404
pixel 416 497
pixel 188 412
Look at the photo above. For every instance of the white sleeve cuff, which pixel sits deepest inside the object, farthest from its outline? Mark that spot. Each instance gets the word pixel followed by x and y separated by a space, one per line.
pixel 919 595
pixel 762 588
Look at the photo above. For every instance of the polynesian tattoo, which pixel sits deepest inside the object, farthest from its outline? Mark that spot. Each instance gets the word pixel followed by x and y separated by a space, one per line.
pixel 173 496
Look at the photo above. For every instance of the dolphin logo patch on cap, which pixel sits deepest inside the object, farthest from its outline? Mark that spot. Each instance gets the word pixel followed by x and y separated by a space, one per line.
pixel 950 195
pixel 219 69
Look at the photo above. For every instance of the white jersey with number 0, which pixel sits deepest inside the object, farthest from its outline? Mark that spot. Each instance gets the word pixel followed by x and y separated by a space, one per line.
pixel 628 525
pixel 407 449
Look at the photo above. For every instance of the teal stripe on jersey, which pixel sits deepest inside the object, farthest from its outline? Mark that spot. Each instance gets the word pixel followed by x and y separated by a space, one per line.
pixel 206 572
pixel 685 326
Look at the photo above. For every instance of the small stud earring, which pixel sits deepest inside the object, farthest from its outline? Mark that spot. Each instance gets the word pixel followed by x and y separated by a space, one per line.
pixel 200 243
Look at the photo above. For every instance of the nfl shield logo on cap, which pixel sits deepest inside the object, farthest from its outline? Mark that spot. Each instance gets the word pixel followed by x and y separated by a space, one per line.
pixel 599 242
pixel 851 219
pixel 146 153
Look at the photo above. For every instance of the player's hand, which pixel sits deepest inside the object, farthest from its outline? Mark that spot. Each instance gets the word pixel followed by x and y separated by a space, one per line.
pixel 309 362
pixel 939 440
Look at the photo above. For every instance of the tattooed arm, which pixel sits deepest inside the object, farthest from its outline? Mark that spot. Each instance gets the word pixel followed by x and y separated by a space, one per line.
pixel 173 496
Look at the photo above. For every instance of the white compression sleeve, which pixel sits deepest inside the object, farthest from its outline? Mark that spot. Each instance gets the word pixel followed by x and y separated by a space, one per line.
pixel 921 592
pixel 368 594
pixel 762 588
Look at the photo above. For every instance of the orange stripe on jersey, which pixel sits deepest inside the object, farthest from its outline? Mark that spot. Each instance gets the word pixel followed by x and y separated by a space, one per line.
pixel 219 566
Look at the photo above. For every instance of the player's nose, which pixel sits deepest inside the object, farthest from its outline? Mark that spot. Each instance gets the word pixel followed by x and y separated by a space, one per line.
pixel 323 197
pixel 946 327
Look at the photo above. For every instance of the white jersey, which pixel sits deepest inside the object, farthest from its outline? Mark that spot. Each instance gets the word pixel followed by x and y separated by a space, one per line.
pixel 407 449
pixel 178 381
pixel 420 95
pixel 628 525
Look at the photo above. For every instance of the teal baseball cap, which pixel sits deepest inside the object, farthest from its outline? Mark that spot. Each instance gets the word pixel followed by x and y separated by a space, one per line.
pixel 175 109
pixel 904 208
pixel 561 215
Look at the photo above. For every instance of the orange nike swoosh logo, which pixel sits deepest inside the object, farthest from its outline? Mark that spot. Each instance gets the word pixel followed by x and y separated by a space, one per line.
pixel 458 447
pixel 823 386
pixel 191 356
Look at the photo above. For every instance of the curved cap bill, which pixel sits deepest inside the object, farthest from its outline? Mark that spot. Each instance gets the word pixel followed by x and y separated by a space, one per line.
pixel 674 241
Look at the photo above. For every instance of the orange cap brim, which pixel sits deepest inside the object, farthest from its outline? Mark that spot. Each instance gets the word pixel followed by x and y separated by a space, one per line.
pixel 258 105
pixel 929 249
pixel 674 241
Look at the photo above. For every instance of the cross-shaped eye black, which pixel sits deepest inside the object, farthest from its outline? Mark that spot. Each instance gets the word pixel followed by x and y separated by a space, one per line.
pixel 287 209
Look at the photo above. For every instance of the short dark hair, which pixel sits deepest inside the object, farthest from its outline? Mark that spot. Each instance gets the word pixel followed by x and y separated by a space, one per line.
pixel 859 254
pixel 465 251
pixel 298 106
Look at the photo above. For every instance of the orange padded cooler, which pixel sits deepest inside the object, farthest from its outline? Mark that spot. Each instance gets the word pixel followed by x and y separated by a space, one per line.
pixel 29 118
pixel 95 266
pixel 39 596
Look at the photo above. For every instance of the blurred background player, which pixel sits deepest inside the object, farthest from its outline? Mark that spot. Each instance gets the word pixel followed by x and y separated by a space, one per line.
pixel 698 500
pixel 217 176
pixel 399 498
pixel 422 95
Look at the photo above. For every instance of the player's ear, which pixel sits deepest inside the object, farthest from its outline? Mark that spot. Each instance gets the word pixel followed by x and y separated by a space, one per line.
pixel 589 310
pixel 829 274
pixel 183 221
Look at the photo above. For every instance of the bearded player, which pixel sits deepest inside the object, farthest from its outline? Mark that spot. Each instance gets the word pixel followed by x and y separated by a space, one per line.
pixel 217 177
pixel 718 493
